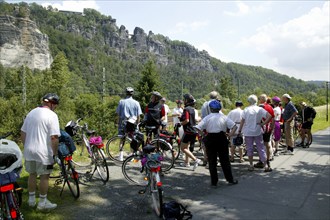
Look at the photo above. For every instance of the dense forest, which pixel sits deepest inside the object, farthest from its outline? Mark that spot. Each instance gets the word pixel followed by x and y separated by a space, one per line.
pixel 90 74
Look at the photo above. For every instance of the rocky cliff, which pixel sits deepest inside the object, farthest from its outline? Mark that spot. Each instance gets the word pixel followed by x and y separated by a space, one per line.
pixel 21 43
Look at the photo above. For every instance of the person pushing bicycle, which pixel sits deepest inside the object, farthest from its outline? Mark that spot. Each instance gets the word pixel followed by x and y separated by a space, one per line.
pixel 308 114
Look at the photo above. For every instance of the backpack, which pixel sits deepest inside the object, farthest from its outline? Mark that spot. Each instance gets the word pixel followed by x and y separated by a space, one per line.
pixel 66 145
pixel 176 211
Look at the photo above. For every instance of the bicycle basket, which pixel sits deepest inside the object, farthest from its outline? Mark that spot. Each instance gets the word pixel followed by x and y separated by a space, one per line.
pixel 237 141
pixel 96 140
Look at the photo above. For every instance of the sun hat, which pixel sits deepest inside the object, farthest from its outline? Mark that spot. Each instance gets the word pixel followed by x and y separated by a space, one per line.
pixel 287 96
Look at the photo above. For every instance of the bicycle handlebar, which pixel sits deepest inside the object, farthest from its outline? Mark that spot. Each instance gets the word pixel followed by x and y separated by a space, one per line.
pixel 6 135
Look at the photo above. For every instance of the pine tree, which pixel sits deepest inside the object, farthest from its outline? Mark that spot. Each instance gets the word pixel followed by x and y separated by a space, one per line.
pixel 150 81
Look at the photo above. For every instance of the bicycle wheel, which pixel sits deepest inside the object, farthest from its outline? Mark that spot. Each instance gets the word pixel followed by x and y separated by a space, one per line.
pixel 101 164
pixel 176 149
pixel 15 213
pixel 167 152
pixel 82 157
pixel 117 145
pixel 132 170
pixel 71 179
pixel 156 194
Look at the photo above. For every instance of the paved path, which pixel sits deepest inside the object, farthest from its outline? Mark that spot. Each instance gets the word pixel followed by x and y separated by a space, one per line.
pixel 298 188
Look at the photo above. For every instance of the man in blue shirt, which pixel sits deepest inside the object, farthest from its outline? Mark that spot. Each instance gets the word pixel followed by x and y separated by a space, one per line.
pixel 129 111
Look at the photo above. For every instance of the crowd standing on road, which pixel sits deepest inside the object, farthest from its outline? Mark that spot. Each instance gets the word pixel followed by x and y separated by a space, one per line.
pixel 260 125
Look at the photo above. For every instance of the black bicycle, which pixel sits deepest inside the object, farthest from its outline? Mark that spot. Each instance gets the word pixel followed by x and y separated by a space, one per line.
pixel 67 175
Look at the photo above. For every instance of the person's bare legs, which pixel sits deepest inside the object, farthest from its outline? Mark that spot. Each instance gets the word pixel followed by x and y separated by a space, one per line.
pixel 44 183
pixel 184 149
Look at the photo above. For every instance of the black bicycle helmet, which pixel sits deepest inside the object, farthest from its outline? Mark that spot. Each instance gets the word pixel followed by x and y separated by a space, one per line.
pixel 52 98
pixel 238 103
pixel 189 99
pixel 129 90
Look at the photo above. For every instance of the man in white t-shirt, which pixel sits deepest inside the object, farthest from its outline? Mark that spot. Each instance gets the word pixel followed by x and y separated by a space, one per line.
pixel 176 114
pixel 39 134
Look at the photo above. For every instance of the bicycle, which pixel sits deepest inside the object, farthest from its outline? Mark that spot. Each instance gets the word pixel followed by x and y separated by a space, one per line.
pixel 67 176
pixel 10 192
pixel 118 148
pixel 173 139
pixel 298 140
pixel 94 157
pixel 148 162
pixel 126 144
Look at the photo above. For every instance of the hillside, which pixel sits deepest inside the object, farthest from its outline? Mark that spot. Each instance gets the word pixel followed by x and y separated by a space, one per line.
pixel 92 41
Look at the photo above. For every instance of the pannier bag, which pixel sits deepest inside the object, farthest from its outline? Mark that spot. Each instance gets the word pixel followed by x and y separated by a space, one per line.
pixel 237 141
pixel 66 145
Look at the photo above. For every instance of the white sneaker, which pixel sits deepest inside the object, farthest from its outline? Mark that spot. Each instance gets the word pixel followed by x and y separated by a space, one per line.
pixel 197 161
pixel 121 156
pixel 32 202
pixel 46 205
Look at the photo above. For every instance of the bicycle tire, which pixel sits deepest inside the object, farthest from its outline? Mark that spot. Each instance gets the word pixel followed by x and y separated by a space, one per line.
pixel 101 164
pixel 166 151
pixel 84 156
pixel 156 195
pixel 132 170
pixel 113 148
pixel 176 149
pixel 71 179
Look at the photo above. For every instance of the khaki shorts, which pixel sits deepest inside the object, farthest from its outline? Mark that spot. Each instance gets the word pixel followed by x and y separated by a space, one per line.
pixel 38 168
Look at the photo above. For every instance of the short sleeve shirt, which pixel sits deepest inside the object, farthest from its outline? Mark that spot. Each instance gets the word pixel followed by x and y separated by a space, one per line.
pixel 39 125
pixel 252 116
pixel 215 123
pixel 289 110
pixel 236 116
pixel 128 108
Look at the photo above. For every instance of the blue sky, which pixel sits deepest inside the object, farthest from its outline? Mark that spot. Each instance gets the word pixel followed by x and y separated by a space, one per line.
pixel 290 37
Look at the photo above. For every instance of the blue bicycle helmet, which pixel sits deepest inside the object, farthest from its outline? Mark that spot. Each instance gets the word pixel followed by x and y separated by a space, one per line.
pixel 215 105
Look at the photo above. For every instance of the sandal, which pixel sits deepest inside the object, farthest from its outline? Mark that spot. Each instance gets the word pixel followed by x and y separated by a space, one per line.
pixel 241 160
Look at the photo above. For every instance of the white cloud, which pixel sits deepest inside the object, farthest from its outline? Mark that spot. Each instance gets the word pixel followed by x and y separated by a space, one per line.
pixel 300 45
pixel 77 6
pixel 182 27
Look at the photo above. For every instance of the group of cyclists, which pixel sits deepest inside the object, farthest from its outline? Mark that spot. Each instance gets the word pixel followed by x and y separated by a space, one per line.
pixel 259 124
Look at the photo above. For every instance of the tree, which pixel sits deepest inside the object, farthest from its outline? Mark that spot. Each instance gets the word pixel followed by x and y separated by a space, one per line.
pixel 149 82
